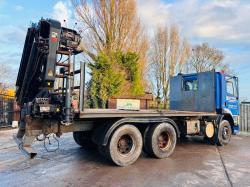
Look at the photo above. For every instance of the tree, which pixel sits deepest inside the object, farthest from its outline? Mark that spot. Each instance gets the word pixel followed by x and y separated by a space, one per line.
pixel 128 64
pixel 6 78
pixel 104 81
pixel 111 75
pixel 206 58
pixel 110 28
pixel 110 25
pixel 168 55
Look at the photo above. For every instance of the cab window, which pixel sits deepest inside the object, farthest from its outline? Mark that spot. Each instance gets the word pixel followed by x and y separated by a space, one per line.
pixel 231 86
pixel 190 83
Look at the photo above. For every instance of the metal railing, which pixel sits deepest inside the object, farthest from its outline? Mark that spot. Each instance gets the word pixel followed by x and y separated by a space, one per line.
pixel 245 117
pixel 6 110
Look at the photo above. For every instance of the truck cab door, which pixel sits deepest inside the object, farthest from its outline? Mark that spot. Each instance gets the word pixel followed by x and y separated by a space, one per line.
pixel 232 99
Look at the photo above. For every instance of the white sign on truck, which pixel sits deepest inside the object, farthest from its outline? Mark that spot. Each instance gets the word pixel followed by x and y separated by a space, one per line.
pixel 128 104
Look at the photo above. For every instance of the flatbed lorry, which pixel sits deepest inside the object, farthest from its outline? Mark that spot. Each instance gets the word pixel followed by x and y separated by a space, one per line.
pixel 204 104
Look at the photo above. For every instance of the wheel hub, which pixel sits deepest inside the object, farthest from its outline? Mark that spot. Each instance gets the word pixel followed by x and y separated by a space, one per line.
pixel 163 140
pixel 125 144
pixel 225 133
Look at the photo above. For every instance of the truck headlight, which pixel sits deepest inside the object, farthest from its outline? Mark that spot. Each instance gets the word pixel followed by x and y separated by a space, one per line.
pixel 236 120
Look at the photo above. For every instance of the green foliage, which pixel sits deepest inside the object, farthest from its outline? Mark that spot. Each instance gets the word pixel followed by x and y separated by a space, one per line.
pixel 113 75
pixel 129 61
pixel 104 81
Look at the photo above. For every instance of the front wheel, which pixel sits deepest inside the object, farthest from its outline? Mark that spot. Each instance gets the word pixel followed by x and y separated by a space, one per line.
pixel 160 140
pixel 222 134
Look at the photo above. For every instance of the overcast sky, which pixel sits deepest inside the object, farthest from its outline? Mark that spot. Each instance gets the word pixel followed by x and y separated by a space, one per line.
pixel 224 24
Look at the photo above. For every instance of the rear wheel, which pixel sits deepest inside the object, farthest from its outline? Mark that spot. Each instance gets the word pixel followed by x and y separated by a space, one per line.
pixel 83 138
pixel 124 146
pixel 160 140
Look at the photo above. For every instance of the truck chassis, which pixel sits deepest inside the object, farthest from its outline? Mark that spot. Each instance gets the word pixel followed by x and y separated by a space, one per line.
pixel 95 128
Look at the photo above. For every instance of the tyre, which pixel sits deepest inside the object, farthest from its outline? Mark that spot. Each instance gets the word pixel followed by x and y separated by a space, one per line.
pixel 144 148
pixel 103 151
pixel 212 141
pixel 160 140
pixel 224 133
pixel 83 138
pixel 124 146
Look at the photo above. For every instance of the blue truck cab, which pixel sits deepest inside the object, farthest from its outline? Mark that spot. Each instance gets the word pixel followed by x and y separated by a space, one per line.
pixel 227 97
pixel 214 92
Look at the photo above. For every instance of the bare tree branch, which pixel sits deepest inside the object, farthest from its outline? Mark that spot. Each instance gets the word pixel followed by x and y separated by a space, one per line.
pixel 168 55
pixel 6 77
pixel 205 58
pixel 109 26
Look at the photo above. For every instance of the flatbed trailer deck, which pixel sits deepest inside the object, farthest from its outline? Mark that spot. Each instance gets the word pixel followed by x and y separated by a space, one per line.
pixel 115 113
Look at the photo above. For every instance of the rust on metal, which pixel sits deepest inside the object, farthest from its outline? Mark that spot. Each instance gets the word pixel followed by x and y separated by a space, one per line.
pixel 62 64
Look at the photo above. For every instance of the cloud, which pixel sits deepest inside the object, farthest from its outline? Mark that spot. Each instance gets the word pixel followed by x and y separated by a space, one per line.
pixel 11 45
pixel 18 7
pixel 212 20
pixel 153 12
pixel 13 34
pixel 224 20
pixel 62 11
